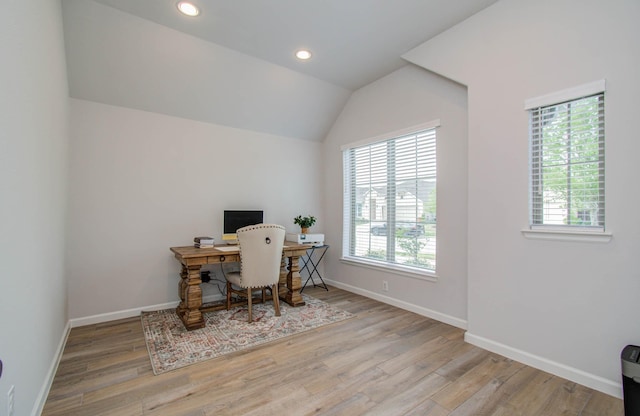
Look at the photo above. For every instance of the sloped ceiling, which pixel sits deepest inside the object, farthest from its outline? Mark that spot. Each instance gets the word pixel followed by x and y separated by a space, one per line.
pixel 234 65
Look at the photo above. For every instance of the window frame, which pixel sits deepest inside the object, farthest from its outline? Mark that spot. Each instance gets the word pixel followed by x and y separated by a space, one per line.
pixel 562 232
pixel 348 237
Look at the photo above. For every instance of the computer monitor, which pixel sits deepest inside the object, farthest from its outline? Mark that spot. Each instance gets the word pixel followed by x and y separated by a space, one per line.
pixel 234 219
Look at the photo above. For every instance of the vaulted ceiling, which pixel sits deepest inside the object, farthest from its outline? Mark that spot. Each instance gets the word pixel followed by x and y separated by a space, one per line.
pixel 234 64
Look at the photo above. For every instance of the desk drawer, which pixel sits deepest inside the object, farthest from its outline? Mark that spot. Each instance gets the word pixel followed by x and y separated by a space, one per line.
pixel 226 258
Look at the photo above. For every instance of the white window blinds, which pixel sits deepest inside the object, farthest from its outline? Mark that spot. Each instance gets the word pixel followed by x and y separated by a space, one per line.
pixel 567 163
pixel 390 201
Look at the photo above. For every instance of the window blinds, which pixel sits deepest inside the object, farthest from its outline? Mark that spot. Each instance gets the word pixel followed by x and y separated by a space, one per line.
pixel 389 198
pixel 567 163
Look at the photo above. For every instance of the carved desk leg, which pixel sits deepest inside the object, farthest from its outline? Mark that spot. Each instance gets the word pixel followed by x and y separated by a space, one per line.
pixel 282 282
pixel 191 298
pixel 182 288
pixel 293 296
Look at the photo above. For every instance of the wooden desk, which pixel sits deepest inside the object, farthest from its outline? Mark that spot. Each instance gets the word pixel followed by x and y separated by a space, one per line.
pixel 192 259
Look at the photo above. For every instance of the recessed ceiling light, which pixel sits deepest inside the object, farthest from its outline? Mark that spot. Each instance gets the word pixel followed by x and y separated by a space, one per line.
pixel 303 54
pixel 188 8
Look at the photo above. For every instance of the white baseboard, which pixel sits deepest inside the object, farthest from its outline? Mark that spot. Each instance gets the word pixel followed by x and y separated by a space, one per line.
pixel 429 313
pixel 592 381
pixel 53 368
pixel 112 316
pixel 129 313
pixel 586 379
pixel 90 320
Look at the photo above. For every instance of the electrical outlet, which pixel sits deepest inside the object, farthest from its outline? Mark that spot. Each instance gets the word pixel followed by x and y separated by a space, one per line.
pixel 10 401
pixel 385 285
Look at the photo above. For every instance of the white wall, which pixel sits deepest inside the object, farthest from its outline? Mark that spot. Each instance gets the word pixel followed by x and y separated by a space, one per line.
pixel 568 307
pixel 143 182
pixel 120 59
pixel 405 98
pixel 33 162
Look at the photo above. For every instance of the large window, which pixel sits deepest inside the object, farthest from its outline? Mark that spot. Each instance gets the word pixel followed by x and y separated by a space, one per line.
pixel 390 201
pixel 567 163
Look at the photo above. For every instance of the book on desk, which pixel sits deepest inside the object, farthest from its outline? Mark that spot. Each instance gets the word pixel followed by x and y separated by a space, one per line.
pixel 203 242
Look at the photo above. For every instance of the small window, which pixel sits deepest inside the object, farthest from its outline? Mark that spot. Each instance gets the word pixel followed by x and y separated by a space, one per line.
pixel 567 164
pixel 390 201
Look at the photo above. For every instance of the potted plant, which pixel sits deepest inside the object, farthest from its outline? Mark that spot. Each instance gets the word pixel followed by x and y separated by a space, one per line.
pixel 304 222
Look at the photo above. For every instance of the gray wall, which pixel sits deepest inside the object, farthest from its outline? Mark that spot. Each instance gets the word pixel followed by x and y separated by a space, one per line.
pixel 565 306
pixel 142 182
pixel 33 182
pixel 408 97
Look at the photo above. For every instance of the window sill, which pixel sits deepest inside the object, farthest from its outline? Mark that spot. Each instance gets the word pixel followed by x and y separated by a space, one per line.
pixel 568 235
pixel 411 272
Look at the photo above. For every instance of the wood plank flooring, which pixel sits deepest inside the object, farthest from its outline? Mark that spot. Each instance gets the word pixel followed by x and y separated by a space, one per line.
pixel 386 361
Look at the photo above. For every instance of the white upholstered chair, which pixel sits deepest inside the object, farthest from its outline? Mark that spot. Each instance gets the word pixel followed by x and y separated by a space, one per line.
pixel 260 259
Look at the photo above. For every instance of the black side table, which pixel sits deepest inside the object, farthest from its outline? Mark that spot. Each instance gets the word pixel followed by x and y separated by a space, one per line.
pixel 311 265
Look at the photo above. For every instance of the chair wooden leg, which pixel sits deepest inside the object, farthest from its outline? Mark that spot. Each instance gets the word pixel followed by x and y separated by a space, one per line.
pixel 249 294
pixel 276 300
pixel 228 295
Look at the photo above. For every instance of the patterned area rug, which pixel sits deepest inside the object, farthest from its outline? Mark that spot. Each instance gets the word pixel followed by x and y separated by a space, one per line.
pixel 171 346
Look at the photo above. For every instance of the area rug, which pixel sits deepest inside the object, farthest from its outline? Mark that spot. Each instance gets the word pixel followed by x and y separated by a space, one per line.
pixel 171 346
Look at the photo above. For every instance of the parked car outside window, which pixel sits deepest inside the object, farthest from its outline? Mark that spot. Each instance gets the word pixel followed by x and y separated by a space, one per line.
pixel 406 230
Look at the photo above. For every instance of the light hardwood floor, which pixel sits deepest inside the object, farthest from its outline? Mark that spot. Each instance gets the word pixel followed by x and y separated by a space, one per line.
pixel 386 361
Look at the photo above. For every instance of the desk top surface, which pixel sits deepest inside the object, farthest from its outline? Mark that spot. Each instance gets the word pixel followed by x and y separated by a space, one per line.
pixel 225 249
